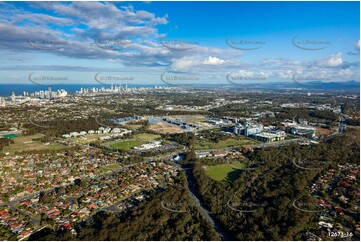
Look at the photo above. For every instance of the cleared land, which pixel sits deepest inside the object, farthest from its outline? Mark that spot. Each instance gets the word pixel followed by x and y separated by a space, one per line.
pixel 228 143
pixel 220 172
pixel 133 126
pixel 164 127
pixel 28 143
pixel 146 136
pixel 323 131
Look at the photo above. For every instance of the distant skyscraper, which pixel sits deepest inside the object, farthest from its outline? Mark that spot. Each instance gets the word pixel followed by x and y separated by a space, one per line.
pixel 49 93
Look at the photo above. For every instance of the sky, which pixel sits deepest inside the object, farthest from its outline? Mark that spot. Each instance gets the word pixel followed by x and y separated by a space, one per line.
pixel 178 42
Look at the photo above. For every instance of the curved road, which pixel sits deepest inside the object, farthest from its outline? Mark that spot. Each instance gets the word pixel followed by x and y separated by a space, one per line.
pixel 217 226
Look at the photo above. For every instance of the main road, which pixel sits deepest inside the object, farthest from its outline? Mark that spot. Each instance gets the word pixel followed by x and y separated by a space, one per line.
pixel 196 198
pixel 261 145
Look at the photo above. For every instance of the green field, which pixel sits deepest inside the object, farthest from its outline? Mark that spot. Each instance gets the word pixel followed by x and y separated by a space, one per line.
pixel 137 140
pixel 86 139
pixel 28 143
pixel 220 172
pixel 110 167
pixel 228 143
pixel 126 145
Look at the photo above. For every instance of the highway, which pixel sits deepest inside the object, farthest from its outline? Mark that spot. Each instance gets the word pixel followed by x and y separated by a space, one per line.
pixel 193 192
pixel 342 125
pixel 261 145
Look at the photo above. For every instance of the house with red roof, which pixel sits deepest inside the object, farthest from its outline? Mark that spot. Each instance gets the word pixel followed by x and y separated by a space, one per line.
pixel 3 212
pixel 66 226
pixel 92 206
pixel 25 233
pixel 25 203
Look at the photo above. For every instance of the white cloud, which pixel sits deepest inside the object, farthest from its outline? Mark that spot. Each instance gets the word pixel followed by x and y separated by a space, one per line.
pixel 185 63
pixel 332 61
pixel 42 19
pixel 103 20
pixel 213 61
pixel 285 74
pixel 345 72
pixel 246 73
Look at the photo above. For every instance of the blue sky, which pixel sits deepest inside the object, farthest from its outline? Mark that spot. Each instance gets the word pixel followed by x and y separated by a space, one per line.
pixel 267 41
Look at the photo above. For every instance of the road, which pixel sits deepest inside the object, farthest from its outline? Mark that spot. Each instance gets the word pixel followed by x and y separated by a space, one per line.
pixel 113 208
pixel 262 145
pixel 33 220
pixel 218 227
pixel 193 191
pixel 342 125
pixel 12 204
pixel 33 232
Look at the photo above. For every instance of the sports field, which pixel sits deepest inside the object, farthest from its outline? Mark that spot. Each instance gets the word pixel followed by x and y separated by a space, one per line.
pixel 86 139
pixel 137 140
pixel 110 167
pixel 28 143
pixel 220 172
